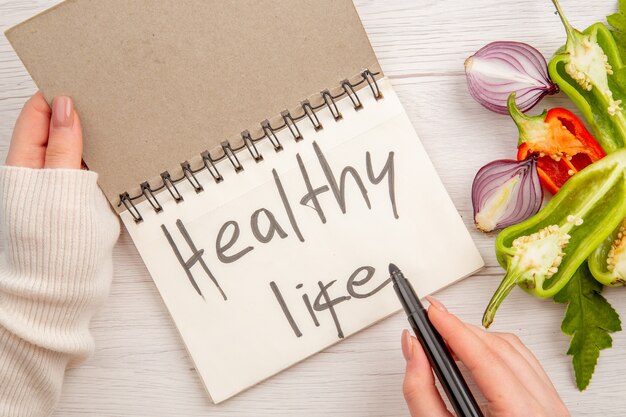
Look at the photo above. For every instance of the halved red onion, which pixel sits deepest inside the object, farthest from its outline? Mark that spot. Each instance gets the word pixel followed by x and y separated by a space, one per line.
pixel 500 68
pixel 505 192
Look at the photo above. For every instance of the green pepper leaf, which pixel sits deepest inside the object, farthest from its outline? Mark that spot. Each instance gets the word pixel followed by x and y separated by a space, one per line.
pixel 618 21
pixel 589 319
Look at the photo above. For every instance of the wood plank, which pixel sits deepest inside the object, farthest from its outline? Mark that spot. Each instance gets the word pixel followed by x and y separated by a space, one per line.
pixel 434 36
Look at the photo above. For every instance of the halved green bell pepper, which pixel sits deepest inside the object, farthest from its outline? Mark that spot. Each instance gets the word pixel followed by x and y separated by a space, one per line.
pixel 590 70
pixel 607 262
pixel 543 252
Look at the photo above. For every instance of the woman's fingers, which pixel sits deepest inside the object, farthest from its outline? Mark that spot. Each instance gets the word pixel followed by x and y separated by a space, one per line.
pixel 528 355
pixel 492 375
pixel 30 135
pixel 65 141
pixel 42 141
pixel 537 386
pixel 420 392
pixel 553 403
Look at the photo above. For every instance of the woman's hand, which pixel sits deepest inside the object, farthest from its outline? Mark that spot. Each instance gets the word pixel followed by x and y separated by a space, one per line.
pixel 507 373
pixel 46 138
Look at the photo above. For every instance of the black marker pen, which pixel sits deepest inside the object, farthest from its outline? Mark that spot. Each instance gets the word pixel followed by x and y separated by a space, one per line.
pixel 439 356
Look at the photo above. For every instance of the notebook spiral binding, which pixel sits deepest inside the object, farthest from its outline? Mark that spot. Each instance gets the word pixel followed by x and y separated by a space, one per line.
pixel 289 121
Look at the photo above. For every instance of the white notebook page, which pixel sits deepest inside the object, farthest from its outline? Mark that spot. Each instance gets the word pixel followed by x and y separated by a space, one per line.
pixel 288 260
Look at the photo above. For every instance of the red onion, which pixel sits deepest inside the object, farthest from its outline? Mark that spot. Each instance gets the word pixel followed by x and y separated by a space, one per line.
pixel 505 192
pixel 500 68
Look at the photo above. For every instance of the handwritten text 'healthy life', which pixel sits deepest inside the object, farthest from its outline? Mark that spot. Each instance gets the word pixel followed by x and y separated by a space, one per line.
pixel 337 186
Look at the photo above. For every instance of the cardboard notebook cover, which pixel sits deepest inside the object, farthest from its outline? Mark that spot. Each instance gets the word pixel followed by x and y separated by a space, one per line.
pixel 157 83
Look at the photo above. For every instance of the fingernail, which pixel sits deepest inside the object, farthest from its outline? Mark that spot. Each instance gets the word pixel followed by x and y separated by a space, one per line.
pixel 62 112
pixel 436 303
pixel 407 346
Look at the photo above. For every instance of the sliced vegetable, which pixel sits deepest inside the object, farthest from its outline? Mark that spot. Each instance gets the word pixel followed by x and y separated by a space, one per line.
pixel 559 140
pixel 500 68
pixel 505 192
pixel 542 253
pixel 590 71
pixel 608 262
pixel 589 319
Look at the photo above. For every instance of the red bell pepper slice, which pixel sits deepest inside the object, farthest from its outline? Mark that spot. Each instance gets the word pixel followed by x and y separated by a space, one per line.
pixel 561 141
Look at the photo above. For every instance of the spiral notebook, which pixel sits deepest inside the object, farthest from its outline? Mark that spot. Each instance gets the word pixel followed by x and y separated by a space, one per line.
pixel 262 164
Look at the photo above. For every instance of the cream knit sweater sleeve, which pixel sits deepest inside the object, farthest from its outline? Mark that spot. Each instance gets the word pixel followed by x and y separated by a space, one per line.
pixel 55 271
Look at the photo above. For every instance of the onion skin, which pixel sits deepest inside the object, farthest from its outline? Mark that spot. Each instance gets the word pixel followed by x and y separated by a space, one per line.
pixel 501 68
pixel 506 192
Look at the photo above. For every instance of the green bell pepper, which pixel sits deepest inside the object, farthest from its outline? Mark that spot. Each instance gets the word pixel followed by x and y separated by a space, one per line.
pixel 590 70
pixel 543 252
pixel 608 262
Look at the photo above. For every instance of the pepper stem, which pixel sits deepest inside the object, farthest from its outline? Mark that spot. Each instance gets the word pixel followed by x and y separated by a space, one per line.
pixel 530 127
pixel 568 27
pixel 509 282
pixel 514 111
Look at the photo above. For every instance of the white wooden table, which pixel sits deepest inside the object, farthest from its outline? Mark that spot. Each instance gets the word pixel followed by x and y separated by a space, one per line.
pixel 141 368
